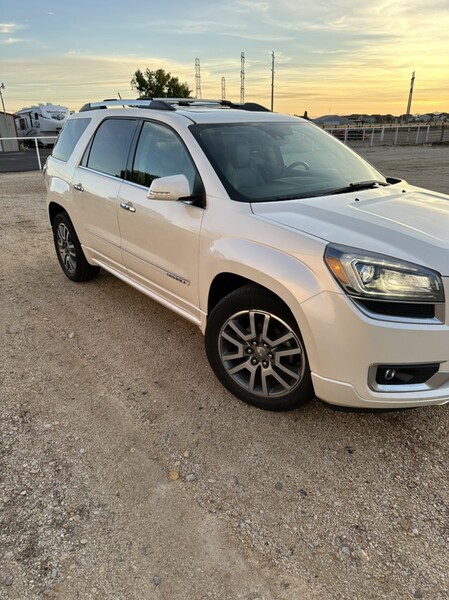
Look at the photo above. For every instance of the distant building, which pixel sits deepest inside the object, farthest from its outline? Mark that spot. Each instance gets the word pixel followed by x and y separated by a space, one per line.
pixel 435 117
pixel 7 130
pixel 424 118
pixel 331 121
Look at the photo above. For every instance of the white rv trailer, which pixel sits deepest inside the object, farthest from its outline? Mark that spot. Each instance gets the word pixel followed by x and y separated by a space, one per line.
pixel 41 120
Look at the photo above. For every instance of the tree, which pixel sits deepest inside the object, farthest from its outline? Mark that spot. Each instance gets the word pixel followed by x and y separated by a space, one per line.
pixel 159 84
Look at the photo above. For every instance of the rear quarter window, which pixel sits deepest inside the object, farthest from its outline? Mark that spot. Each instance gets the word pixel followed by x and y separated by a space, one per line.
pixel 68 138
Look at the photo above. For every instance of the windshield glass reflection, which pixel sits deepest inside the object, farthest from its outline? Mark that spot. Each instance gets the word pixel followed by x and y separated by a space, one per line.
pixel 260 162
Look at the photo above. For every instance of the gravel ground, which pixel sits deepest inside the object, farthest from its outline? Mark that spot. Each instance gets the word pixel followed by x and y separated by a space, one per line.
pixel 128 472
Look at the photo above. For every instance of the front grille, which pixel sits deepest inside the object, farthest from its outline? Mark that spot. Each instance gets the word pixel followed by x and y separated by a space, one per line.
pixel 399 309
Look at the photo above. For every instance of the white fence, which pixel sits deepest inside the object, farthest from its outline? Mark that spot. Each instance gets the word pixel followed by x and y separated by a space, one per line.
pixel 391 134
pixel 37 142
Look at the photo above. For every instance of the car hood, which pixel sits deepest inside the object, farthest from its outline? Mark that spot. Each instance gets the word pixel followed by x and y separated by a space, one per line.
pixel 401 221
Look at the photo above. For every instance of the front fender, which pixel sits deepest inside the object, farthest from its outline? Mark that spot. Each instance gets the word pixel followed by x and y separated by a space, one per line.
pixel 288 277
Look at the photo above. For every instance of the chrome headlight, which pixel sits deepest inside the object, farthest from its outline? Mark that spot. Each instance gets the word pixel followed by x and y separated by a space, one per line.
pixel 370 275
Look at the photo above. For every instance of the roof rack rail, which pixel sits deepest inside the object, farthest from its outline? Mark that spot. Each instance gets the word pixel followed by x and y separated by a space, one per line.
pixel 115 103
pixel 171 103
pixel 251 106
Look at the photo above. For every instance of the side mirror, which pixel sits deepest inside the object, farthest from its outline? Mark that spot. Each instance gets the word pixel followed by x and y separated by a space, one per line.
pixel 173 187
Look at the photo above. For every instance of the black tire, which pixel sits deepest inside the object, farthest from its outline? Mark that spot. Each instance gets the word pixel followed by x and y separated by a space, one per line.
pixel 256 350
pixel 69 252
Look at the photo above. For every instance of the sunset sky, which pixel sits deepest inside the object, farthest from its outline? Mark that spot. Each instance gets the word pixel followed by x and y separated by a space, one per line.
pixel 336 57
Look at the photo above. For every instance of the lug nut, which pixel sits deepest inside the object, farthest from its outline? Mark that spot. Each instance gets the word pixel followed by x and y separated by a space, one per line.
pixel 254 361
pixel 265 364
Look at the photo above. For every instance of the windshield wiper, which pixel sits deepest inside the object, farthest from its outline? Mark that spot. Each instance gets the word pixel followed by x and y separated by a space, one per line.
pixel 352 187
pixel 360 185
pixel 293 196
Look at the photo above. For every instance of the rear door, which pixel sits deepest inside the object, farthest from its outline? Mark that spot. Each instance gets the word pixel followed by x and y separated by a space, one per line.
pixel 96 184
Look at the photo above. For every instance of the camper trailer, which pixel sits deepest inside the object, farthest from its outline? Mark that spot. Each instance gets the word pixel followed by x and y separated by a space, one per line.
pixel 41 120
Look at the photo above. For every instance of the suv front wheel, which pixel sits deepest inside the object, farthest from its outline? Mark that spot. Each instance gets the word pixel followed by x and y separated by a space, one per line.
pixel 255 349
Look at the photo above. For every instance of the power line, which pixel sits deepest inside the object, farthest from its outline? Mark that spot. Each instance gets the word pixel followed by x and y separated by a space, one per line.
pixel 410 96
pixel 223 88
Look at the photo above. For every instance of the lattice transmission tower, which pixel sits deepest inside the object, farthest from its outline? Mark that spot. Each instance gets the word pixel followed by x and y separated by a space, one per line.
pixel 242 77
pixel 197 78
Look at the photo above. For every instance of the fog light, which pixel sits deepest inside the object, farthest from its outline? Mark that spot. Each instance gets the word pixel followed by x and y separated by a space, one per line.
pixel 405 374
pixel 390 374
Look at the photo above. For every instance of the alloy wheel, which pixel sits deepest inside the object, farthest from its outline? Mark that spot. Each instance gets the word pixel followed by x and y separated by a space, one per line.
pixel 261 353
pixel 66 248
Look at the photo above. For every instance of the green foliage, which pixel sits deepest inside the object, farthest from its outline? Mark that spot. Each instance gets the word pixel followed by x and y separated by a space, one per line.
pixel 159 84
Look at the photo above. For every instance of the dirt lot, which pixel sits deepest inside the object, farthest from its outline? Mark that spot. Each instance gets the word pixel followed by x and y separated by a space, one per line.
pixel 128 472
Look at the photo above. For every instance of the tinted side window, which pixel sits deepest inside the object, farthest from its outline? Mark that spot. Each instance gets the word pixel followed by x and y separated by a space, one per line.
pixel 68 138
pixel 110 146
pixel 160 153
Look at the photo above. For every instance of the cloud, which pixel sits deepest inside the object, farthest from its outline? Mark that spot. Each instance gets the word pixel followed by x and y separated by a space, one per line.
pixel 352 56
pixel 11 27
pixel 258 37
pixel 183 26
pixel 7 31
pixel 11 40
pixel 248 6
pixel 75 78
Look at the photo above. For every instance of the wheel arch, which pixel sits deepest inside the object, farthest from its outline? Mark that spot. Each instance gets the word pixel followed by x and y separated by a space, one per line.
pixel 55 209
pixel 226 283
pixel 283 276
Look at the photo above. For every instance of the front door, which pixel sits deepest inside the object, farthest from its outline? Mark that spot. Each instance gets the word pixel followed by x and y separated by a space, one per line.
pixel 160 239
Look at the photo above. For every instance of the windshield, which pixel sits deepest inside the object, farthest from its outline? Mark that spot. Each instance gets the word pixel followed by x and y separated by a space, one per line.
pixel 267 161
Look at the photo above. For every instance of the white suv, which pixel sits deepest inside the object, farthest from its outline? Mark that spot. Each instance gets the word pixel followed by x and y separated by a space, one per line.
pixel 308 271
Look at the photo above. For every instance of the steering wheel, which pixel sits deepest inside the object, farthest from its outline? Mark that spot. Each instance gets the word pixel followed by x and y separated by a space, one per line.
pixel 299 163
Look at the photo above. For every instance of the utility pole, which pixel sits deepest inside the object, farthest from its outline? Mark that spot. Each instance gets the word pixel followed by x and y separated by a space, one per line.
pixel 197 78
pixel 223 88
pixel 409 105
pixel 272 81
pixel 2 87
pixel 242 77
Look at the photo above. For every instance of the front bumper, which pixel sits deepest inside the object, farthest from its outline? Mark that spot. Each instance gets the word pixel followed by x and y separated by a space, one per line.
pixel 344 345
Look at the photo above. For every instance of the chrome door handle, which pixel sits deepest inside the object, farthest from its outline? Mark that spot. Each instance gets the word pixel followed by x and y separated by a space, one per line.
pixel 129 207
pixel 79 187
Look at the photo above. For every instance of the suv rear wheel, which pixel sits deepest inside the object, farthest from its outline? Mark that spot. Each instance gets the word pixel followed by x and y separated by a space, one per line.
pixel 255 349
pixel 69 252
